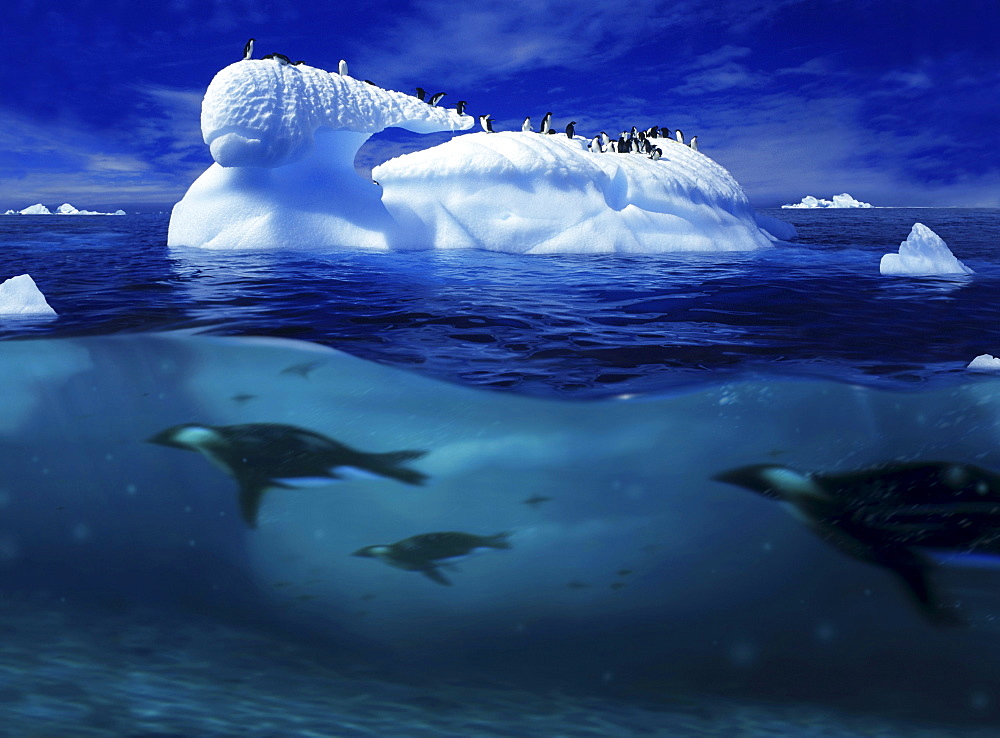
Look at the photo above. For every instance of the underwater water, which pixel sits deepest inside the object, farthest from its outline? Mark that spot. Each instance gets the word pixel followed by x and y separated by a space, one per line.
pixel 638 595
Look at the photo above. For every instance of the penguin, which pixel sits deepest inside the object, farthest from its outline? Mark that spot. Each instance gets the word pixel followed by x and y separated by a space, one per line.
pixel 694 143
pixel 595 144
pixel 657 153
pixel 342 68
pixel 653 132
pixel 280 58
pixel 261 456
pixel 605 139
pixel 634 132
pixel 571 129
pixel 248 50
pixel 298 63
pixel 369 82
pixel 460 107
pixel 421 92
pixel 622 144
pixel 536 500
pixel 547 123
pixel 423 552
pixel 551 131
pixel 526 126
pixel 486 123
pixel 889 514
pixel 679 136
pixel 304 369
pixel 437 97
pixel 647 147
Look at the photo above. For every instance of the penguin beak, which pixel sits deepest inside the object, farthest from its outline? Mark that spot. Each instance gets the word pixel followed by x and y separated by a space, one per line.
pixel 166 437
pixel 750 477
pixel 366 552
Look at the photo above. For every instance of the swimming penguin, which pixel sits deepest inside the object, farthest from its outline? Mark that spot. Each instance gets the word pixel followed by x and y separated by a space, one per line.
pixel 423 552
pixel 460 107
pixel 571 129
pixel 547 123
pixel 421 92
pixel 265 455
pixel 679 136
pixel 342 68
pixel 536 500
pixel 694 143
pixel 248 50
pixel 437 97
pixel 486 122
pixel 526 126
pixel 886 514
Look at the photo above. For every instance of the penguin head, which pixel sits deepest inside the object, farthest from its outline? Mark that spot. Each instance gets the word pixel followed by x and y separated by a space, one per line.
pixel 772 481
pixel 373 552
pixel 190 436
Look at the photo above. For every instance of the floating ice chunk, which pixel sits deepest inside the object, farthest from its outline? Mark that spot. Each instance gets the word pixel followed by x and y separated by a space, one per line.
pixel 838 201
pixel 285 139
pixel 985 363
pixel 528 193
pixel 20 296
pixel 38 209
pixel 923 252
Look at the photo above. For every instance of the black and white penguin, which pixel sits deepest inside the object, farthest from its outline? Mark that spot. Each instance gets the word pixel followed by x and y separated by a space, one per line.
pixel 298 63
pixel 694 143
pixel 486 122
pixel 664 132
pixel 679 136
pixel 605 139
pixel 634 132
pixel 437 97
pixel 248 50
pixel 526 126
pixel 656 154
pixel 612 147
pixel 460 107
pixel 342 68
pixel 424 552
pixel 595 144
pixel 421 93
pixel 280 58
pixel 369 82
pixel 547 123
pixel 653 132
pixel 262 456
pixel 571 129
pixel 647 147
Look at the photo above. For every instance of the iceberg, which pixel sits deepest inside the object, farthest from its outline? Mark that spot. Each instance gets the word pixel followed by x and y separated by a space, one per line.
pixel 838 201
pixel 284 139
pixel 21 296
pixel 985 363
pixel 922 253
pixel 531 193
pixel 64 209
pixel 38 209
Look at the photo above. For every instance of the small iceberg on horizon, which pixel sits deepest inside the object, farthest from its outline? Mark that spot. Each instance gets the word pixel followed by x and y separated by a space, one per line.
pixel 922 253
pixel 985 363
pixel 20 296
pixel 838 201
pixel 64 209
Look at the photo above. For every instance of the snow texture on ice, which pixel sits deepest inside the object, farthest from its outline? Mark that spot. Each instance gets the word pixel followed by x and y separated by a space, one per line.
pixel 922 253
pixel 20 296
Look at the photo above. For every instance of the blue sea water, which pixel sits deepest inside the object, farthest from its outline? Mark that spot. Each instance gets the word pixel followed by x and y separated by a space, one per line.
pixel 641 598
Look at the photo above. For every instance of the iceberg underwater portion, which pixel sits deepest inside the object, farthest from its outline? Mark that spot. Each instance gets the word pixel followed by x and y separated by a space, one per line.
pixel 284 139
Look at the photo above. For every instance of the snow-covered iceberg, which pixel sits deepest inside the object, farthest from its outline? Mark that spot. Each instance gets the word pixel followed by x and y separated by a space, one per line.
pixel 531 193
pixel 985 363
pixel 284 139
pixel 64 209
pixel 922 253
pixel 838 201
pixel 21 296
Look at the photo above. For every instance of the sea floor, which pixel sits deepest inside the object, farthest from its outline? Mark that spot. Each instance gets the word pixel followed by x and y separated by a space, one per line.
pixel 67 672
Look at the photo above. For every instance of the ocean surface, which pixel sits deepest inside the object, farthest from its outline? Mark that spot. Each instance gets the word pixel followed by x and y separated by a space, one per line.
pixel 581 405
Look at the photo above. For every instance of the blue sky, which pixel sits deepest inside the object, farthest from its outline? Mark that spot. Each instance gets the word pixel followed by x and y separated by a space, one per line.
pixel 894 101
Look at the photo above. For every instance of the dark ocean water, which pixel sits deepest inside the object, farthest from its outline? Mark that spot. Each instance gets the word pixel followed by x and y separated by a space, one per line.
pixel 570 326
pixel 640 598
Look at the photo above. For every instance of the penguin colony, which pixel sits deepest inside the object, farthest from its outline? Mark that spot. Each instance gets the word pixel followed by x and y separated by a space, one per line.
pixel 628 142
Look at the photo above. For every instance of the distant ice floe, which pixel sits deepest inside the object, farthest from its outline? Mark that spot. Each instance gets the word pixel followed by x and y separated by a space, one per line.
pixel 284 139
pixel 64 209
pixel 20 296
pixel 922 253
pixel 985 363
pixel 838 201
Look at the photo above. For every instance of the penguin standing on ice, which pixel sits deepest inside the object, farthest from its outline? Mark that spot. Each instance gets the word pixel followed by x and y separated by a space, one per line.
pixel 342 68
pixel 248 50
pixel 423 552
pixel 280 58
pixel 421 93
pixel 679 136
pixel 262 456
pixel 605 139
pixel 571 129
pixel 694 143
pixel 526 126
pixel 595 144
pixel 460 107
pixel 486 122
pixel 547 123
pixel 656 154
pixel 437 97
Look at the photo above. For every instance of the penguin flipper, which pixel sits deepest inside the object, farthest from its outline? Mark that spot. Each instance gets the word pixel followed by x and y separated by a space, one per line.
pixel 433 574
pixel 389 465
pixel 914 570
pixel 251 493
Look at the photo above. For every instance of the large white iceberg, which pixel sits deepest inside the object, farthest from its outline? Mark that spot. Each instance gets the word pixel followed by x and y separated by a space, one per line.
pixel 922 253
pixel 21 296
pixel 838 201
pixel 534 193
pixel 284 139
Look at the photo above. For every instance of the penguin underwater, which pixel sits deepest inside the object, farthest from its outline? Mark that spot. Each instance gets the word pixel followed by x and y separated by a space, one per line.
pixel 423 552
pixel 885 515
pixel 261 456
